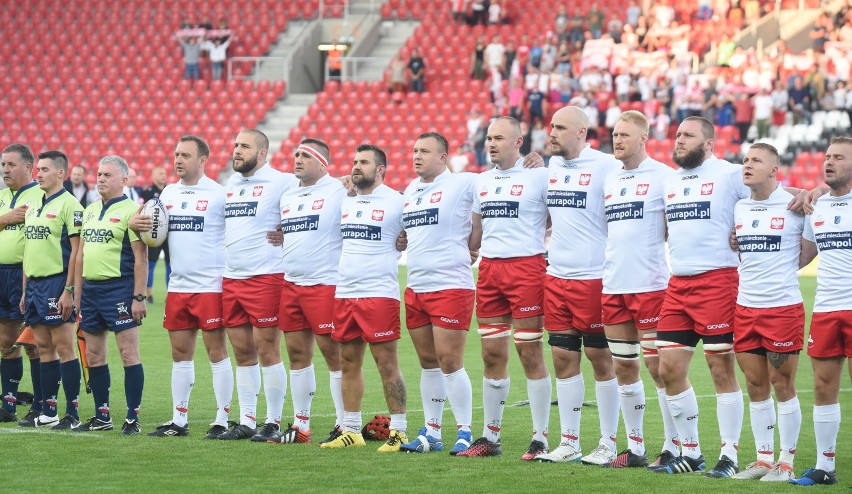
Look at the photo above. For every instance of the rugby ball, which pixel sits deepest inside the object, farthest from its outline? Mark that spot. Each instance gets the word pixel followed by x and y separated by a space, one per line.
pixel 160 227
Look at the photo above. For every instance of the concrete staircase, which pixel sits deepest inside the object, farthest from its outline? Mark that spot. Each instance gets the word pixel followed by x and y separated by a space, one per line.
pixel 284 117
pixel 393 37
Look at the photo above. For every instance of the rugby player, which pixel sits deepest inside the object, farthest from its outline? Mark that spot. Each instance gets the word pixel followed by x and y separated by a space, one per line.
pixel 770 316
pixel 310 221
pixel 572 287
pixel 251 287
pixel 511 207
pixel 20 194
pixel 634 282
pixel 111 276
pixel 366 304
pixel 52 241
pixel 829 230
pixel 196 207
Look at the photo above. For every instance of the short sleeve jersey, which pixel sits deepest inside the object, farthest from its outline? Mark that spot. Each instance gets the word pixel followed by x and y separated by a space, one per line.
pixel 196 235
pixel 636 223
pixel 48 231
pixel 107 253
pixel 12 236
pixel 437 219
pixel 251 210
pixel 370 225
pixel 310 220
pixel 513 206
pixel 700 214
pixel 575 199
pixel 830 227
pixel 770 243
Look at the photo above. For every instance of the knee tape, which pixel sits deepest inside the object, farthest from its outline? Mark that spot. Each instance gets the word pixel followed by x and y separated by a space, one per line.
pixel 570 342
pixel 624 349
pixel 529 335
pixel 488 331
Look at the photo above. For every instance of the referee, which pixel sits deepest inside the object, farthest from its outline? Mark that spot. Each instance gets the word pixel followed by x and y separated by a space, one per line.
pixel 112 271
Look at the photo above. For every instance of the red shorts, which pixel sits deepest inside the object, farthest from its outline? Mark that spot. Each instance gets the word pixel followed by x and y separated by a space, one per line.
pixel 193 311
pixel 572 304
pixel 775 329
pixel 779 117
pixel 306 307
pixel 449 309
pixel 374 320
pixel 641 308
pixel 254 300
pixel 511 286
pixel 831 334
pixel 704 303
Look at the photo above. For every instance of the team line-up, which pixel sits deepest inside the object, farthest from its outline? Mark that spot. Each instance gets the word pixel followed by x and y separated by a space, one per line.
pixel 316 258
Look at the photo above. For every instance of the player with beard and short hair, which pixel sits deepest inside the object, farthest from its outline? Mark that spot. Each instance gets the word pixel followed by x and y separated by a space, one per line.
pixel 634 282
pixel 20 194
pixel 196 206
pixel 572 287
pixel 701 294
pixel 511 206
pixel 251 286
pixel 829 230
pixel 770 318
pixel 366 304
pixel 52 241
pixel 310 221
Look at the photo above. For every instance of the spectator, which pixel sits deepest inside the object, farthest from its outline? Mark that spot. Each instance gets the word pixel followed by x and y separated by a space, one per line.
pixel 615 30
pixel 191 54
pixel 710 99
pixel 335 60
pixel 495 13
pixel 476 133
pixel 478 13
pixel 509 59
pixel 743 115
pixel 563 58
pixel 397 74
pixel 629 37
pixel 763 113
pixel 76 184
pixel 821 32
pixel 780 103
pixel 548 56
pixel 578 33
pixel 562 20
pixel 633 13
pixel 131 190
pixel 660 121
pixel 622 86
pixel 459 161
pixel 478 59
pixel 526 133
pixel 538 138
pixel 494 53
pixel 536 104
pixel 416 71
pixel 523 55
pixel 459 11
pixel 664 14
pixel 596 20
pixel 800 101
pixel 516 99
pixel 838 97
pixel 218 52
pixel 612 114
pixel 725 50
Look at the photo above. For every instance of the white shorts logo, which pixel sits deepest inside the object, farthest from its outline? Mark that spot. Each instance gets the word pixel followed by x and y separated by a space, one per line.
pixel 719 326
pixel 384 333
pixel 530 309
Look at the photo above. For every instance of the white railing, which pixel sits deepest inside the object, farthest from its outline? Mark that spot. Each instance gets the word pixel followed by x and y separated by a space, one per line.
pixel 259 64
pixel 353 67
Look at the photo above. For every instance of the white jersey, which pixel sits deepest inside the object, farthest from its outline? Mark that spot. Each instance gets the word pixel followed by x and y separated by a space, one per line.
pixel 700 213
pixel 513 205
pixel 369 263
pixel 770 241
pixel 437 220
pixel 251 210
pixel 636 223
pixel 310 220
pixel 575 199
pixel 830 227
pixel 196 235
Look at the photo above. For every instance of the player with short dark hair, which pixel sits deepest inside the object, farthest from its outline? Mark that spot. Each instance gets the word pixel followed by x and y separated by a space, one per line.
pixel 20 194
pixel 111 274
pixel 366 304
pixel 769 324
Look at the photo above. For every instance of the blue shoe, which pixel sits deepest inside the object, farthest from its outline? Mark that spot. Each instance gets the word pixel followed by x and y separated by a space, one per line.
pixel 422 444
pixel 813 476
pixel 682 464
pixel 462 443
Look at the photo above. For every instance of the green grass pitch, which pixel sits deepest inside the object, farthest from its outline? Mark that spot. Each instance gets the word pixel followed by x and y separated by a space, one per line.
pixel 108 462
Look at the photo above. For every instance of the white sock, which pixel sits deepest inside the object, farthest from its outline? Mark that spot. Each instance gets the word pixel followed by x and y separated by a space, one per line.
pixel 606 393
pixel 729 412
pixel 826 426
pixel 433 393
pixel 494 394
pixel 183 378
pixel 762 414
pixel 570 394
pixel 789 426
pixel 684 410
pixel 398 422
pixel 460 394
pixel 335 382
pixel 248 387
pixel 539 392
pixel 632 400
pixel 275 390
pixel 223 389
pixel 352 422
pixel 303 386
pixel 672 440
